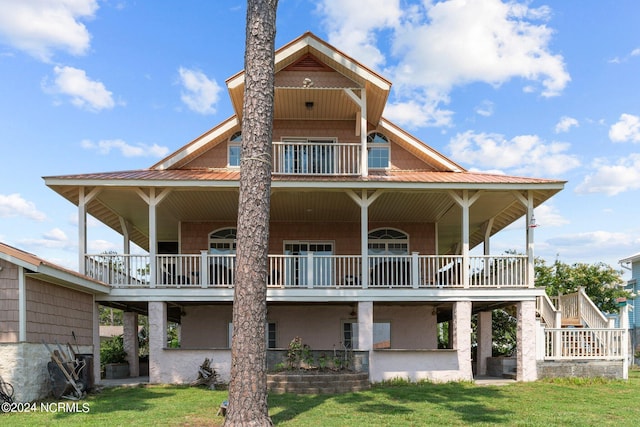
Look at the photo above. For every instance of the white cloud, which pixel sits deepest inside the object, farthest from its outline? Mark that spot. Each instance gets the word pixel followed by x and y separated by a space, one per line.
pixel 199 93
pixel 56 234
pixel 565 124
pixel 104 147
pixel 437 46
pixel 100 246
pixel 612 178
pixel 418 113
pixel 524 154
pixel 13 205
pixel 352 26
pixel 459 42
pixel 52 239
pixel 84 93
pixel 485 108
pixel 39 27
pixel 627 129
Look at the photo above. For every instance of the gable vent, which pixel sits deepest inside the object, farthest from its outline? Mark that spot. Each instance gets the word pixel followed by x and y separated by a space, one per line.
pixel 308 63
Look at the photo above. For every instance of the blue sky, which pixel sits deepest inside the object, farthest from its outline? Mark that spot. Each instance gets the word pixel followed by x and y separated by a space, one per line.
pixel 546 89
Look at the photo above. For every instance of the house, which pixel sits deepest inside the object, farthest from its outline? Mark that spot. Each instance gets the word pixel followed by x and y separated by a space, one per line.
pixel 370 235
pixel 632 263
pixel 41 303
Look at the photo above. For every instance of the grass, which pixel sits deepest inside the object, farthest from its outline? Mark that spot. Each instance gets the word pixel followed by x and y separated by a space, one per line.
pixel 567 402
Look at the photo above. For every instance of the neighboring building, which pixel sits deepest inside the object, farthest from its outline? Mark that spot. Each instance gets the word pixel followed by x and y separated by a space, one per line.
pixel 632 264
pixel 41 303
pixel 370 235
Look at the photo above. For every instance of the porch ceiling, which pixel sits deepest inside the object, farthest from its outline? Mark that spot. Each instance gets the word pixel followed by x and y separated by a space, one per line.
pixel 117 205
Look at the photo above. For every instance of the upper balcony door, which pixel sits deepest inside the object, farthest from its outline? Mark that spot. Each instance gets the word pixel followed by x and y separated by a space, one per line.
pixel 298 271
pixel 309 156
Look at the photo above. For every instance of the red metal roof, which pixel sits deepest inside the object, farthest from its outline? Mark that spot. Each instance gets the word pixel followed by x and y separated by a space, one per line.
pixel 377 176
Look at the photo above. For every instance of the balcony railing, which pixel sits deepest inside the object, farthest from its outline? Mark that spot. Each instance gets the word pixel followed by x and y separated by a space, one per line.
pixel 312 271
pixel 306 158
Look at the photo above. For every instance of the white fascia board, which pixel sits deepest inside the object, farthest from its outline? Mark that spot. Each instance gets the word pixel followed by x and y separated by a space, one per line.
pixel 419 146
pixel 197 144
pixel 416 185
pixel 325 50
pixel 349 64
pixel 146 183
pixel 632 258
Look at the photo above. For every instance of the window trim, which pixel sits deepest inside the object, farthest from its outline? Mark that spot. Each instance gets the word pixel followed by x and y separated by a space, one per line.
pixel 232 142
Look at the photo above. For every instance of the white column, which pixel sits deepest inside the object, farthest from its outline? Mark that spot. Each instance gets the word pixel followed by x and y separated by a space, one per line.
pixel 462 338
pixel 364 240
pixel 153 239
pixel 364 159
pixel 465 238
pixel 530 245
pixel 526 342
pixel 82 230
pixel 130 340
pixel 157 339
pixel 485 341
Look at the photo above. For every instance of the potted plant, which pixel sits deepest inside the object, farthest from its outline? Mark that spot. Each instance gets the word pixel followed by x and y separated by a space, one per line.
pixel 113 358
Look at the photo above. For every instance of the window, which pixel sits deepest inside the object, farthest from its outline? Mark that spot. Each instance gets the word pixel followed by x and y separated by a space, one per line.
pixel 298 272
pixel 223 241
pixel 222 244
pixel 381 335
pixel 378 151
pixel 270 329
pixel 314 156
pixel 234 149
pixel 388 241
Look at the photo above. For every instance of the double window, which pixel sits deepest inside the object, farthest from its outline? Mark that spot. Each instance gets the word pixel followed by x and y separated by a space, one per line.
pixel 381 334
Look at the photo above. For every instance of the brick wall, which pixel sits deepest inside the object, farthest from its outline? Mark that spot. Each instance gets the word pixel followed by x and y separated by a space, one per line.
pixel 345 235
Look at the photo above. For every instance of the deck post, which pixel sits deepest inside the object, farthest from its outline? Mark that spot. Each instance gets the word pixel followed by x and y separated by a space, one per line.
pixel 462 338
pixel 130 341
pixel 526 343
pixel 157 339
pixel 204 270
pixel 485 341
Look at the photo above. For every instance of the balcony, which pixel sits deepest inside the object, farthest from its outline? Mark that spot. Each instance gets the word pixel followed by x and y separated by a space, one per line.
pixel 313 271
pixel 316 158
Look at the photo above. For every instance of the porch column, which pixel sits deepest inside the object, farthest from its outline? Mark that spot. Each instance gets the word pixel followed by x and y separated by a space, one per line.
pixel 462 338
pixel 530 256
pixel 465 203
pixel 157 339
pixel 361 127
pixel 83 200
pixel 526 342
pixel 153 199
pixel 364 201
pixel 96 340
pixel 485 341
pixel 130 339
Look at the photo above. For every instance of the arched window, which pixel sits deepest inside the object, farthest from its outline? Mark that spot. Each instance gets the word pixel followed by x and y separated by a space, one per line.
pixel 223 241
pixel 234 149
pixel 378 150
pixel 388 241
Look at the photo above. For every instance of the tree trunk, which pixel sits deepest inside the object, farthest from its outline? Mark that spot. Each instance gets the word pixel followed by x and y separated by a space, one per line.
pixel 248 385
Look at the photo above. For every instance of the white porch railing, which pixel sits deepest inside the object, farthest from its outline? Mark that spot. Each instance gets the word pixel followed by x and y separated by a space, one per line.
pixel 316 158
pixel 311 271
pixel 584 343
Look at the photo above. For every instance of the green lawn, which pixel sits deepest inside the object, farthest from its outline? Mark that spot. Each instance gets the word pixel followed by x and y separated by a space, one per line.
pixel 545 403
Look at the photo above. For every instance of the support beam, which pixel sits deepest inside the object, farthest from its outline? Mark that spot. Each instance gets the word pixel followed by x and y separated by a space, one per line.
pixel 83 200
pixel 153 199
pixel 485 341
pixel 130 341
pixel 364 201
pixel 462 338
pixel 526 341
pixel 157 339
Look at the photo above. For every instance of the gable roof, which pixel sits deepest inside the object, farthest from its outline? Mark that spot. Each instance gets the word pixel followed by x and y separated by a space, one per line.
pixel 47 272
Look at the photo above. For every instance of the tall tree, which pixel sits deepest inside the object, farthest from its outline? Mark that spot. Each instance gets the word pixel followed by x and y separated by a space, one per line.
pixel 248 385
pixel 600 281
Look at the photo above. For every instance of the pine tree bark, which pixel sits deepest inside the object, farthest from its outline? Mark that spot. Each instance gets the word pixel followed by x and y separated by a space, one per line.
pixel 248 385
